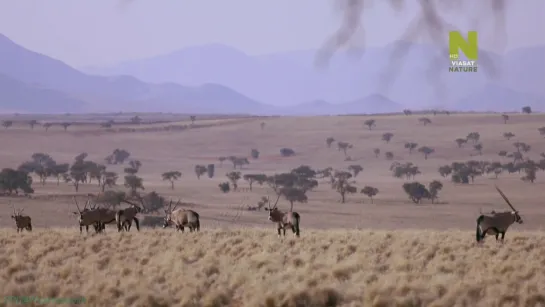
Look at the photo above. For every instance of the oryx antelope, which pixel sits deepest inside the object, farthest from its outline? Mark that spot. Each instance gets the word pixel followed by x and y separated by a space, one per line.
pixel 496 223
pixel 181 218
pixel 124 217
pixel 284 219
pixel 97 217
pixel 21 221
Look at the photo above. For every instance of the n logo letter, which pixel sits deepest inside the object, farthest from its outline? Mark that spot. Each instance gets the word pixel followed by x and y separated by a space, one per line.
pixel 469 47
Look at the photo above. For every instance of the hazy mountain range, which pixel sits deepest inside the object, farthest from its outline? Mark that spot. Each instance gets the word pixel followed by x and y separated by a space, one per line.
pixel 220 79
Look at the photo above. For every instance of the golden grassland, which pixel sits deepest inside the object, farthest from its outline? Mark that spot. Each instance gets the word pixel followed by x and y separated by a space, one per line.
pixel 370 259
pixel 253 267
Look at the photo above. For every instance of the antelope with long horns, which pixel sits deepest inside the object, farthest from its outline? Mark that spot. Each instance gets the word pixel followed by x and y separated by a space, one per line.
pixel 94 216
pixel 283 219
pixel 21 221
pixel 124 217
pixel 181 218
pixel 497 223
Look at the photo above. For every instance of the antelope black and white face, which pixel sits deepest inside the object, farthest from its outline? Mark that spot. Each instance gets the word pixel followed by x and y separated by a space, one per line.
pixel 275 215
pixel 168 219
pixel 518 219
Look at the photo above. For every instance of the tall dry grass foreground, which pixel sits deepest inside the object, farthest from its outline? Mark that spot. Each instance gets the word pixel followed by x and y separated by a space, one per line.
pixel 253 267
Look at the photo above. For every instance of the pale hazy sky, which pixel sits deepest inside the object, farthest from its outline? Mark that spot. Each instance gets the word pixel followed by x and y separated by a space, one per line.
pixel 99 32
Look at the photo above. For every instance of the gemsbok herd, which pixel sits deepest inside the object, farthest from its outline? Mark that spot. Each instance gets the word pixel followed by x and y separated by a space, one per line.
pixel 493 223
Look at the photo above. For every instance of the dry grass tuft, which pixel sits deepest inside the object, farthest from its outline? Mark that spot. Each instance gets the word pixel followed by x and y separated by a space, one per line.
pixel 253 267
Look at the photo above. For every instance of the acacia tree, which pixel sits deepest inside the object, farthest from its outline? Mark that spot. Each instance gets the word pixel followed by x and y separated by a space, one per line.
pixel 224 187
pixel 434 188
pixel 200 170
pixel 416 191
pixel 508 135
pixel 376 151
pixel 32 123
pixel 251 178
pixel 460 142
pixel 171 176
pixel 234 177
pixel 11 181
pixel 370 192
pixel 344 146
pixel 294 185
pixel 426 151
pixel 425 121
pixel 65 125
pixel 387 137
pixel 478 148
pixel 7 123
pixel 109 179
pixel 370 123
pixel 341 183
pixel 473 136
pixel 355 169
pixel 411 146
pixel 134 183
pixel 329 141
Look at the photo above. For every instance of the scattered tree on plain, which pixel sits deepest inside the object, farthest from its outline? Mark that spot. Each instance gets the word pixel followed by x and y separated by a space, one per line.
pixel 234 177
pixel 387 137
pixel 210 170
pixel 508 135
pixel 7 123
pixel 287 152
pixel 355 169
pixel 478 148
pixel 329 141
pixel 254 153
pixel 460 142
pixel 32 123
pixel 416 191
pixel 65 125
pixel 224 187
pixel 200 170
pixel 370 192
pixel 389 155
pixel 341 183
pixel 251 178
pixel 344 146
pixel 370 123
pixel 474 137
pixel 411 146
pixel 376 151
pixel 425 121
pixel 426 151
pixel 434 187
pixel 527 110
pixel 171 176
pixel 134 183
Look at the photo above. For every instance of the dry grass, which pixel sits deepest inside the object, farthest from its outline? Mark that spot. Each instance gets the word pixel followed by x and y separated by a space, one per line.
pixel 252 267
pixel 353 267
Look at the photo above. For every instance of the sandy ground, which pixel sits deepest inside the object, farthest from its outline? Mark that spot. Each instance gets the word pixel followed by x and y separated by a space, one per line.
pixel 463 275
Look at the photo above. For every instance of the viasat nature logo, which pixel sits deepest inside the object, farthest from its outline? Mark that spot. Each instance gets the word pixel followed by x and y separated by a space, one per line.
pixel 469 47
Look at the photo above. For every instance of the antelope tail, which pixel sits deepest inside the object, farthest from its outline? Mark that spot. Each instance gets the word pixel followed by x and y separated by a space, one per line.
pixel 297 219
pixel 118 219
pixel 478 234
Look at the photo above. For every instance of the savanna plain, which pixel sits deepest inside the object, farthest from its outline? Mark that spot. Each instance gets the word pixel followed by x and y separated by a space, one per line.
pixel 384 251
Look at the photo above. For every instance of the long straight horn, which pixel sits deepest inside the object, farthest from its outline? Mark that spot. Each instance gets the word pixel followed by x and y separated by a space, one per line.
pixel 268 202
pixel 76 202
pixel 176 204
pixel 505 198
